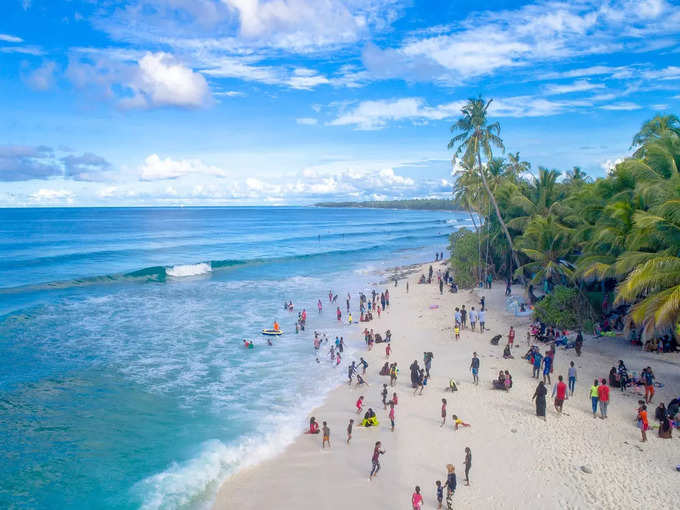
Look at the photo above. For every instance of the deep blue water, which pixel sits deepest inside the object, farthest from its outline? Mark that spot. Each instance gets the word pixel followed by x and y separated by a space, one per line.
pixel 124 383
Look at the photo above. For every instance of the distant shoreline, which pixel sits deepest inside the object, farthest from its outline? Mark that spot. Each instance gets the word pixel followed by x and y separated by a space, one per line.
pixel 424 204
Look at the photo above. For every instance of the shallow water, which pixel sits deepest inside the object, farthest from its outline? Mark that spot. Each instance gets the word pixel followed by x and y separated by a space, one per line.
pixel 124 380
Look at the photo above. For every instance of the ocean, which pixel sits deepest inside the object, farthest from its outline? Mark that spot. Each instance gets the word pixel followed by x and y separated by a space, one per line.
pixel 124 381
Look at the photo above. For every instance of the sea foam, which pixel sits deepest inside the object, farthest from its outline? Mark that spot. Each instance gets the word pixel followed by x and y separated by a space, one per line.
pixel 182 270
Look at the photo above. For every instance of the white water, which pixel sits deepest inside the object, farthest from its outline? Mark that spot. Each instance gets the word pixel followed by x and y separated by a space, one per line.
pixel 180 270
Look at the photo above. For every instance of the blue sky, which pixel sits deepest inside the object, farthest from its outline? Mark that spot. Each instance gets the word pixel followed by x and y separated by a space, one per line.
pixel 217 102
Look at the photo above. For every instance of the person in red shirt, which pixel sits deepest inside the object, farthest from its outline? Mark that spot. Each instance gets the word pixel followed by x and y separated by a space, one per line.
pixel 417 499
pixel 603 394
pixel 511 336
pixel 560 394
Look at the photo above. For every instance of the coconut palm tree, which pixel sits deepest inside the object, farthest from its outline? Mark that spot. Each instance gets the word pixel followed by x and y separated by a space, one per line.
pixel 653 129
pixel 547 244
pixel 476 137
pixel 541 198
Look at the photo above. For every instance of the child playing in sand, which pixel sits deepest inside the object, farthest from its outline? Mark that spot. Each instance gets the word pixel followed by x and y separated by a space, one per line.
pixel 417 499
pixel 392 415
pixel 383 393
pixel 443 412
pixel 456 332
pixel 361 380
pixel 440 494
pixel 349 430
pixel 360 404
pixel 457 422
pixel 388 351
pixel 326 436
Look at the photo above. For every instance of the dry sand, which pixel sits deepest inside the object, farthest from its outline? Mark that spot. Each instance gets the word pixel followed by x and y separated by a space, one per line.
pixel 519 460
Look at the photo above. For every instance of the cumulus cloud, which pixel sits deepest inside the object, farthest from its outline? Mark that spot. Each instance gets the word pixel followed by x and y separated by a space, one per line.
pixel 147 81
pixel 155 168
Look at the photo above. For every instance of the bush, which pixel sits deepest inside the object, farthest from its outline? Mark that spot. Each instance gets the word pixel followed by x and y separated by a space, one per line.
pixel 464 257
pixel 561 308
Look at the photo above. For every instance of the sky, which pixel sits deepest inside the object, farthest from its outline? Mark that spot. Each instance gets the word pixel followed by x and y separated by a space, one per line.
pixel 250 102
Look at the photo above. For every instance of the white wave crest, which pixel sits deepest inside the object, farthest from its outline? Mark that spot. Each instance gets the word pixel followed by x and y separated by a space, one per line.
pixel 180 271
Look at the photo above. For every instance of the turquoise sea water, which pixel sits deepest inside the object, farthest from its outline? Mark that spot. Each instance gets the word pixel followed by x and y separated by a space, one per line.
pixel 124 383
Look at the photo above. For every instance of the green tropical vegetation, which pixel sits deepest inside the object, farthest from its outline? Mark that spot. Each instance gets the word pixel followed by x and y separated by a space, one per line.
pixel 573 237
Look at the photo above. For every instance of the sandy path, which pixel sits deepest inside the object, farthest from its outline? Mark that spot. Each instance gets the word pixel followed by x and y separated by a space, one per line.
pixel 519 461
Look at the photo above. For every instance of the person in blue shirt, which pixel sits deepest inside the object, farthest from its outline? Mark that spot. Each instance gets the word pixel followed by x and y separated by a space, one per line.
pixel 547 366
pixel 538 358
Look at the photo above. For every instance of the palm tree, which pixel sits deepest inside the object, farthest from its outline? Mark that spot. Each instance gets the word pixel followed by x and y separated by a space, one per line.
pixel 541 198
pixel 515 168
pixel 547 244
pixel 476 137
pixel 654 129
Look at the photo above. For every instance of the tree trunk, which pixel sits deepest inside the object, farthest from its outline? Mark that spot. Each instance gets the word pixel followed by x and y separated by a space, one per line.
pixel 498 212
pixel 479 240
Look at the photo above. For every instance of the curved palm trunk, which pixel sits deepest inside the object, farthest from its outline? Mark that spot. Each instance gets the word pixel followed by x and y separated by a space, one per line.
pixel 498 212
pixel 479 238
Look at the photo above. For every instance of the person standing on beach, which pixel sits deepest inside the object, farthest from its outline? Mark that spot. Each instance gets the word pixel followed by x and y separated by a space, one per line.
pixel 388 351
pixel 443 412
pixel 456 331
pixel 572 378
pixel 473 318
pixel 349 430
pixel 383 393
pixel 547 367
pixel 326 435
pixel 338 314
pixel 440 494
pixel 468 465
pixel 391 415
pixel 603 396
pixel 643 423
pixel 364 365
pixel 375 460
pixel 441 286
pixel 647 377
pixel 417 499
pixel 474 368
pixel 360 404
pixel 351 371
pixel 450 485
pixel 319 306
pixel 341 343
pixel 457 317
pixel 348 298
pixel 539 397
pixel 482 319
pixel 594 397
pixel 560 394
pixel 463 317
pixel 511 336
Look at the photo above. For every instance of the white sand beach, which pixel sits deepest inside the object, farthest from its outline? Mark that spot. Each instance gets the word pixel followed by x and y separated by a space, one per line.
pixel 518 460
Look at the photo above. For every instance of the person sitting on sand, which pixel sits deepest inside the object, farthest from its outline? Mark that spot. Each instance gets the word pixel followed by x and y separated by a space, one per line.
pixel 499 384
pixel 452 385
pixel 385 370
pixel 666 429
pixel 361 380
pixel 369 419
pixel 457 422
pixel 506 352
pixel 313 426
pixel 508 380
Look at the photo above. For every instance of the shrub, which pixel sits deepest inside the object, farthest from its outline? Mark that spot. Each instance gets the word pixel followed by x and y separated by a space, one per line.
pixel 561 308
pixel 464 257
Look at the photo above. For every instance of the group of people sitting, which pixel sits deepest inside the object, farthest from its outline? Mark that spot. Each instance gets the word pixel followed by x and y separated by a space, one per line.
pixel 504 381
pixel 666 343
pixel 391 370
pixel 370 338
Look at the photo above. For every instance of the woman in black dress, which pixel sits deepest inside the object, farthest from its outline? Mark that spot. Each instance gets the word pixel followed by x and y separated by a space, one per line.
pixel 539 397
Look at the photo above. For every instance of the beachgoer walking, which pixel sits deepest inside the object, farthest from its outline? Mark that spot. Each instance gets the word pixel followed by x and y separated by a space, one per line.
pixel 383 393
pixel 547 367
pixel 450 485
pixel 594 397
pixel 572 378
pixel 474 368
pixel 539 397
pixel 603 396
pixel 473 318
pixel 360 404
pixel 364 365
pixel 338 314
pixel 351 371
pixel 468 465
pixel 482 319
pixel 349 430
pixel 648 379
pixel 375 459
pixel 560 394
pixel 463 317
pixel 511 336
pixel 443 412
pixel 391 415
pixel 388 351
pixel 642 422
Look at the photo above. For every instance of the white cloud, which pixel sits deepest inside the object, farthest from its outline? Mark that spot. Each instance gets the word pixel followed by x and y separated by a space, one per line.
pixel 577 86
pixel 138 81
pixel 10 38
pixel 369 115
pixel 542 32
pixel 623 106
pixel 668 73
pixel 307 121
pixel 162 81
pixel 609 165
pixel 155 168
pixel 41 78
pixel 51 196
